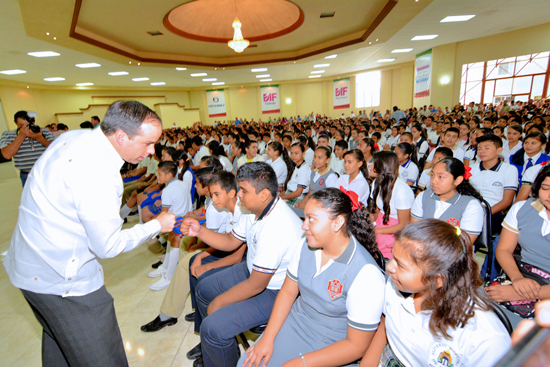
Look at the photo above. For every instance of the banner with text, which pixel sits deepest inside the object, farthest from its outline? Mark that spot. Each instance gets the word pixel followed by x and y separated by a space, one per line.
pixel 422 74
pixel 270 99
pixel 216 103
pixel 341 93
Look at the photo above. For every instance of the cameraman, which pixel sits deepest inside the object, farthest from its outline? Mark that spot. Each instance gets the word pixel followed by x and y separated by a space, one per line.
pixel 24 145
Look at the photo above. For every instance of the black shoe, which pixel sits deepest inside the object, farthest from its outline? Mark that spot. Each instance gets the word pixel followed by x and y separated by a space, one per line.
pixel 156 324
pixel 195 353
pixel 198 362
pixel 157 264
pixel 132 214
pixel 190 317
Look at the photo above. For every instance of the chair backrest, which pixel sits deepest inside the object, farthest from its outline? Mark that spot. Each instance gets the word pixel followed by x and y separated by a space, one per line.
pixel 485 239
pixel 416 189
pixel 379 258
pixel 501 316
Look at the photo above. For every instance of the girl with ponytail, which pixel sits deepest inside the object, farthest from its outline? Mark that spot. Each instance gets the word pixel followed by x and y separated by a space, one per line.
pixel 279 160
pixel 433 264
pixel 408 162
pixel 330 305
pixel 216 150
pixel 391 200
pixel 451 198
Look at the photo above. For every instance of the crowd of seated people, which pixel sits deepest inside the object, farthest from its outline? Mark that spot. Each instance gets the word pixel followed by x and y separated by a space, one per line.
pixel 352 238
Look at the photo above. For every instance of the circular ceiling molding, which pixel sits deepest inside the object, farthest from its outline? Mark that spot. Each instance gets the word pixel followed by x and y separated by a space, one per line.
pixel 211 20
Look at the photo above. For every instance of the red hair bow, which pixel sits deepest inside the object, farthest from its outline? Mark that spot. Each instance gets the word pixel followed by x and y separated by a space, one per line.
pixel 467 173
pixel 356 204
pixel 376 146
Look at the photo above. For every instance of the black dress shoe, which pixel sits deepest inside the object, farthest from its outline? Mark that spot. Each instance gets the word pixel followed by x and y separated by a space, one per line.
pixel 157 324
pixel 195 353
pixel 198 362
pixel 156 265
pixel 190 317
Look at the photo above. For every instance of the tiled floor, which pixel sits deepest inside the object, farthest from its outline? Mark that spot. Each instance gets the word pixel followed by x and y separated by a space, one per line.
pixel 127 281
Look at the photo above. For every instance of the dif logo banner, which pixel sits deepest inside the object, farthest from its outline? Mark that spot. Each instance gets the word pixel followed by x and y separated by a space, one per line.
pixel 341 92
pixel 270 97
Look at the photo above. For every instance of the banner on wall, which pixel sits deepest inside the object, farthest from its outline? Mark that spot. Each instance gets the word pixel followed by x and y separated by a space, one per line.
pixel 216 103
pixel 422 74
pixel 341 93
pixel 271 101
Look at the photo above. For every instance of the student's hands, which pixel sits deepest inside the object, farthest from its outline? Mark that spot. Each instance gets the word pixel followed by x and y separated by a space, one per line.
pixel 527 288
pixel 167 221
pixel 263 349
pixel 191 215
pixel 190 227
pixel 200 270
pixel 197 263
pixel 301 205
pixel 502 293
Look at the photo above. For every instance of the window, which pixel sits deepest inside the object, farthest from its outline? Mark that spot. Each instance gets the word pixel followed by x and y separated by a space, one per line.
pixel 513 78
pixel 367 89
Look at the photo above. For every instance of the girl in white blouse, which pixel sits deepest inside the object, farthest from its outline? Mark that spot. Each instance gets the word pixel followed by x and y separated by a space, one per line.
pixel 356 174
pixel 279 160
pixel 298 185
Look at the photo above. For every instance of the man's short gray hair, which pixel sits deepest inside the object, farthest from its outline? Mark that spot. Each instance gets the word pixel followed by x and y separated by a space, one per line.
pixel 128 117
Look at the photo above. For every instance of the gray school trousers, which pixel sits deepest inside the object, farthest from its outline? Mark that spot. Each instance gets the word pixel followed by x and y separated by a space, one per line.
pixel 78 331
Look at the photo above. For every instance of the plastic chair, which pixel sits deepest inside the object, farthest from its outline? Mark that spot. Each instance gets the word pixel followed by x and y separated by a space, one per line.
pixel 259 330
pixel 501 316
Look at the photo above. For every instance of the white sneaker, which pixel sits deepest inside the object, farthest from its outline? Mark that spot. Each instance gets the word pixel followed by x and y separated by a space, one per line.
pixel 158 272
pixel 162 283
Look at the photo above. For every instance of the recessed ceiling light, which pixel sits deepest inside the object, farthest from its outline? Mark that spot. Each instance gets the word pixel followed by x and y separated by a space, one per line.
pixel 158 83
pixel 88 65
pixel 56 79
pixel 181 68
pixel 401 50
pixel 13 72
pixel 55 38
pixel 140 79
pixel 331 56
pixel 422 38
pixel 218 83
pixel 116 73
pixel 84 84
pixel 263 76
pixel 317 72
pixel 321 66
pixel 199 74
pixel 209 80
pixel 257 70
pixel 314 76
pixel 43 54
pixel 47 33
pixel 266 80
pixel 386 60
pixel 457 18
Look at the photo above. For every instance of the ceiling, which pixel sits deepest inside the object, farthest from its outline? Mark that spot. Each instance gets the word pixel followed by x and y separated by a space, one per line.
pixel 114 35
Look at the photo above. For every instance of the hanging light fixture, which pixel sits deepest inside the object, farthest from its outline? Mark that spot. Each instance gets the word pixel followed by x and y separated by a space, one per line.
pixel 238 44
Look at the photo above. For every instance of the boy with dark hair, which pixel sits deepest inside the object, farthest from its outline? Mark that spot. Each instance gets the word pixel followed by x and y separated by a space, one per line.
pixel 448 140
pixel 174 199
pixel 337 158
pixel 197 265
pixel 242 296
pixel 495 180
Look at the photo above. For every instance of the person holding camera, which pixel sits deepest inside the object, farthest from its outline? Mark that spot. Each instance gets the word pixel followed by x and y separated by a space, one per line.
pixel 25 144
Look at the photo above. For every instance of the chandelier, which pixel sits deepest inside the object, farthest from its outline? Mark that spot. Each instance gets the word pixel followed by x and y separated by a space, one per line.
pixel 238 44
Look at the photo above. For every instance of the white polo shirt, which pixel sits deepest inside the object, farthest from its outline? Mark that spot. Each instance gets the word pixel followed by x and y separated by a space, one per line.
pixel 402 198
pixel 308 156
pixel 457 153
pixel 359 185
pixel 481 342
pixel 337 165
pixel 491 183
pixel 216 219
pixel 227 165
pixel 152 167
pixel 175 197
pixel 471 222
pixel 408 172
pixel 202 152
pixel 300 178
pixel 280 168
pixel 424 180
pixel 273 240
pixel 507 152
pixel 530 174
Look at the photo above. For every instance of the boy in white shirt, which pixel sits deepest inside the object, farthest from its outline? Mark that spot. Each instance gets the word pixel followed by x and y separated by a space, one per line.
pixel 337 159
pixel 449 139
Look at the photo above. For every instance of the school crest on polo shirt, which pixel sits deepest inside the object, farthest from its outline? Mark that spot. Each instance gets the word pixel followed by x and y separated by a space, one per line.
pixel 453 221
pixel 321 181
pixel 442 355
pixel 335 288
